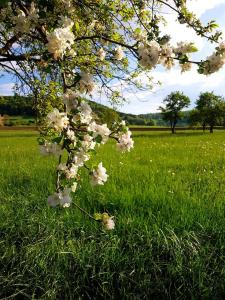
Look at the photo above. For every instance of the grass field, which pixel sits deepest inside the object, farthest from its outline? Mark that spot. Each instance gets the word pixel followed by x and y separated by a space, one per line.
pixel 168 199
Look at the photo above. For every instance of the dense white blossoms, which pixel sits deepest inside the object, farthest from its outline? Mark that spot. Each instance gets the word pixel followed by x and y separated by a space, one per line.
pixel 125 142
pixel 85 113
pixel 71 135
pixel 166 56
pixel 101 130
pixel 24 22
pixel 86 83
pixel 69 171
pixel 184 47
pixel 88 142
pixel 99 175
pixel 57 120
pixel 140 36
pixel 70 100
pixel 149 54
pixel 214 63
pixel 221 47
pixel 61 39
pixel 62 198
pixel 119 54
pixel 101 54
pixel 185 67
pixel 81 157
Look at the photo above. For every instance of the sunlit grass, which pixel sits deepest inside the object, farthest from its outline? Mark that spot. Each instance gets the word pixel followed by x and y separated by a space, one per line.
pixel 168 199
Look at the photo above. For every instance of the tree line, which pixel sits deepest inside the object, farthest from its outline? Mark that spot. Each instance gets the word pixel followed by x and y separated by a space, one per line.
pixel 209 110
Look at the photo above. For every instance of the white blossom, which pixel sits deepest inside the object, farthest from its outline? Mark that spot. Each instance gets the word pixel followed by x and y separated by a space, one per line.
pixel 109 223
pixel 80 157
pixel 60 40
pixel 166 56
pixel 125 142
pixel 71 135
pixel 62 167
pixel 57 120
pixel 214 63
pixel 101 130
pixel 71 172
pixel 86 83
pixel 22 23
pixel 85 113
pixel 74 187
pixel 99 175
pixel 185 67
pixel 53 200
pixel 64 198
pixel 88 142
pixel 69 99
pixel 51 149
pixel 119 54
pixel 222 46
pixel 140 36
pixel 149 54
pixel 101 54
pixel 184 47
pixel 66 22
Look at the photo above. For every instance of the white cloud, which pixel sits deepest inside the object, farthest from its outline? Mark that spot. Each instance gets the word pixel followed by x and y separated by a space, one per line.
pixel 175 77
pixel 199 7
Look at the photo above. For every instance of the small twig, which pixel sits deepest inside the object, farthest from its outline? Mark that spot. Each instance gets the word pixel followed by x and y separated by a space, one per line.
pixel 85 212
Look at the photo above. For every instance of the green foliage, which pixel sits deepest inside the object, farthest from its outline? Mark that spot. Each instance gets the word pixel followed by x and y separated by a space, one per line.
pixel 48 97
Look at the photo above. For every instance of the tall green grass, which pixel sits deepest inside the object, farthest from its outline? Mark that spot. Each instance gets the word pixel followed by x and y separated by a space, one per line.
pixel 168 199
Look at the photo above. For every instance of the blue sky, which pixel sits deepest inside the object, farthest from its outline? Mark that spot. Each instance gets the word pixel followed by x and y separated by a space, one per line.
pixel 191 83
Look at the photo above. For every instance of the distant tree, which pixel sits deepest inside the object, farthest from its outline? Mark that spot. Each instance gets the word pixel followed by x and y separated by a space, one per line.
pixel 151 122
pixel 172 112
pixel 108 116
pixel 211 109
pixel 17 105
pixel 135 120
pixel 196 118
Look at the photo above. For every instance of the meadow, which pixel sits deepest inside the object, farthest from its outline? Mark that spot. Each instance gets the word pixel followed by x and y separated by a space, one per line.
pixel 168 199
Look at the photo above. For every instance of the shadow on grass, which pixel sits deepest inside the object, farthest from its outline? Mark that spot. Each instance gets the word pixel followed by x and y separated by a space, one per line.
pixel 169 135
pixel 18 135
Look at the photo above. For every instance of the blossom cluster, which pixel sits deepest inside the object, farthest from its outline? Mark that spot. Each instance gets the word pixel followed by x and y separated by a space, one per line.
pixel 215 61
pixel 78 132
pixel 61 39
pixel 25 22
pixel 152 53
